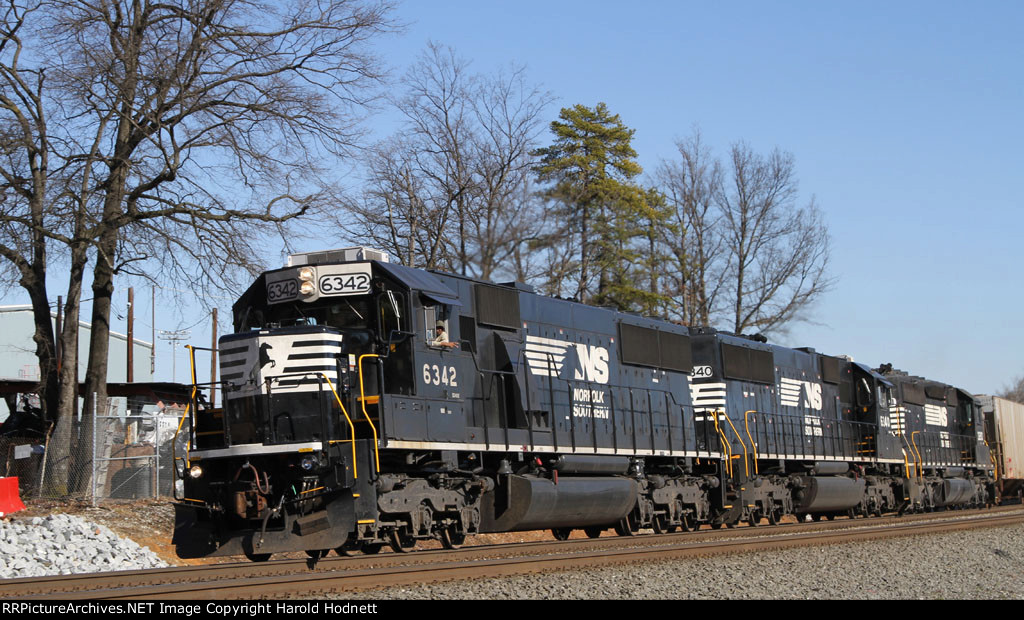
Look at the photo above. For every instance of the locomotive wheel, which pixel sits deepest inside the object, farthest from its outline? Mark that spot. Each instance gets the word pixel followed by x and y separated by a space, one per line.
pixel 816 517
pixel 716 526
pixel 622 528
pixel 257 557
pixel 316 554
pixel 371 548
pixel 774 516
pixel 831 517
pixel 658 523
pixel 753 520
pixel 561 533
pixel 400 543
pixel 451 538
pixel 686 524
pixel 593 532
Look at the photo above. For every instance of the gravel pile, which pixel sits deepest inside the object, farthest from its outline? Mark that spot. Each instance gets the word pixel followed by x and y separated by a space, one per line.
pixel 979 564
pixel 62 544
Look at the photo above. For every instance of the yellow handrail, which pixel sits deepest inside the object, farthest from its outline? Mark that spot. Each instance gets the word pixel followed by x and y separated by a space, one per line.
pixel 174 441
pixel 725 442
pixel 918 459
pixel 903 439
pixel 753 446
pixel 362 402
pixel 351 426
pixel 746 464
pixel 184 414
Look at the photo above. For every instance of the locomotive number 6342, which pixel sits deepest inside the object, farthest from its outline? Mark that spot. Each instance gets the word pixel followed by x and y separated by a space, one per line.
pixel 345 284
pixel 439 375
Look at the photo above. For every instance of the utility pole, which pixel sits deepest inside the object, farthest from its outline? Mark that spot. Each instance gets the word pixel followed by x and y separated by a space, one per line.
pixel 60 327
pixel 152 323
pixel 130 374
pixel 174 337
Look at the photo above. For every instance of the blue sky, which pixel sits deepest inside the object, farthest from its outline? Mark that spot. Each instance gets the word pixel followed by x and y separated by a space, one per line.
pixel 905 120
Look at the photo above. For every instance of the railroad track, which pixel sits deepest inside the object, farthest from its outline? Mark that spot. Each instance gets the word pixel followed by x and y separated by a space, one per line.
pixel 282 578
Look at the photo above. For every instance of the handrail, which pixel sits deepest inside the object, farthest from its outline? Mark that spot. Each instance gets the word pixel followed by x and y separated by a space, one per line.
pixel 174 443
pixel 184 414
pixel 903 440
pixel 725 442
pixel 362 403
pixel 753 446
pixel 746 465
pixel 351 426
pixel 918 462
pixel 992 459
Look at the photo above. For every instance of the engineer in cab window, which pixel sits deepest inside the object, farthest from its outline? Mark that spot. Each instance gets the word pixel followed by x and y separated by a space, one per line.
pixel 441 337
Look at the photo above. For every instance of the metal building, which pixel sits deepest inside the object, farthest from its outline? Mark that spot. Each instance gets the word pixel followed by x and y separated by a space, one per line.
pixel 18 359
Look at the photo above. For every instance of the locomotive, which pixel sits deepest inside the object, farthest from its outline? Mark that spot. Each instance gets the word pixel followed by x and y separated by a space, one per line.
pixel 366 403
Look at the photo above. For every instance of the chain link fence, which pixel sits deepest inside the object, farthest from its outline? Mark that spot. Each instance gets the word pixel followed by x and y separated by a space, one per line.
pixel 123 451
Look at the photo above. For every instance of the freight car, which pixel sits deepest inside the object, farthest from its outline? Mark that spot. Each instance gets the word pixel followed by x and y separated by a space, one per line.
pixel 1004 434
pixel 367 404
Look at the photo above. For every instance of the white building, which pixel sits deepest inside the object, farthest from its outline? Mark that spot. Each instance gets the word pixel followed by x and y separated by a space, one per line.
pixel 18 358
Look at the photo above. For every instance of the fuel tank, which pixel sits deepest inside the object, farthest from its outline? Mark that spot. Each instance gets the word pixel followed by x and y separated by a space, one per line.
pixel 954 491
pixel 529 503
pixel 828 493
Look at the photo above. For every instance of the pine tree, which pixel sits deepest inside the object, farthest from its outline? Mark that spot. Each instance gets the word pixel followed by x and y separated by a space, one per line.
pixel 598 208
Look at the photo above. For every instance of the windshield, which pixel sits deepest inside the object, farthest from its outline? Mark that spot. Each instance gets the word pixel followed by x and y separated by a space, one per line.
pixel 346 312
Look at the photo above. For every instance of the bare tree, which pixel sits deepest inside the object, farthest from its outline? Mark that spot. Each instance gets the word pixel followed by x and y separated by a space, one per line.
pixel 1014 391
pixel 449 191
pixel 38 207
pixel 777 252
pixel 188 118
pixel 504 216
pixel 395 211
pixel 690 185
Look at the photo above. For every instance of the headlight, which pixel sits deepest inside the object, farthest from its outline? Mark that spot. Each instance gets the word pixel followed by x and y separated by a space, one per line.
pixel 306 274
pixel 308 463
pixel 307 288
pixel 195 472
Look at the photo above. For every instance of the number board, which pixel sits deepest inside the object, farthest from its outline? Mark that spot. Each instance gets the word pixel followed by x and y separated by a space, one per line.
pixel 337 280
pixel 282 290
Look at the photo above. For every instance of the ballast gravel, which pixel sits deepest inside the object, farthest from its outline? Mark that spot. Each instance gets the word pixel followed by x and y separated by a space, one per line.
pixel 62 544
pixel 978 564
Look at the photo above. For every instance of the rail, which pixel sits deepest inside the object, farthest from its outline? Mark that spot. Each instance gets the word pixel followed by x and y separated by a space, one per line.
pixel 794 436
pixel 942 448
pixel 623 421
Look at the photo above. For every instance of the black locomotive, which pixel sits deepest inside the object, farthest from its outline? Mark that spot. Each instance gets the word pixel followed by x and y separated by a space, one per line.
pixel 367 403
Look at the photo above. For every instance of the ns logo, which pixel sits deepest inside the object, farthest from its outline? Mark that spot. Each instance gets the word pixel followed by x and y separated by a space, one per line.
pixel 591 363
pixel 569 361
pixel 797 393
